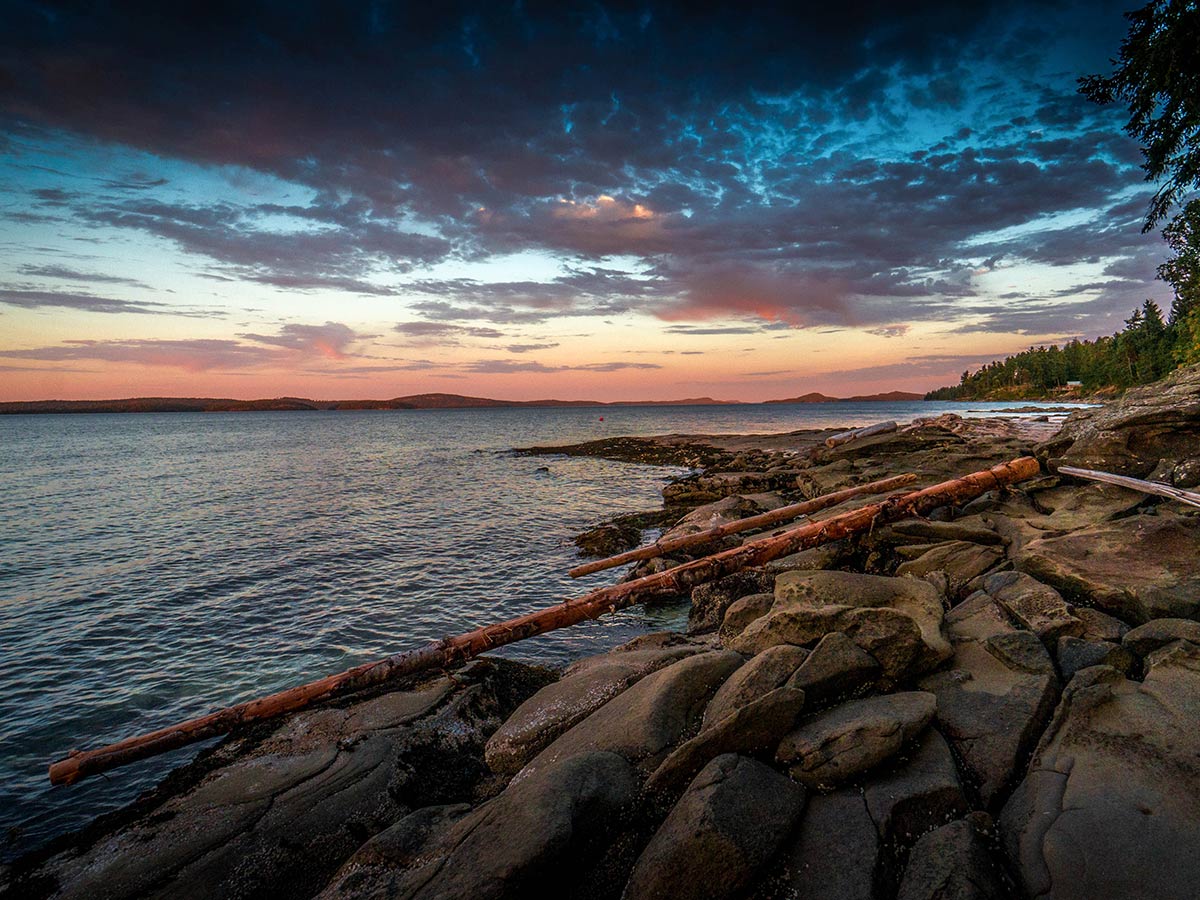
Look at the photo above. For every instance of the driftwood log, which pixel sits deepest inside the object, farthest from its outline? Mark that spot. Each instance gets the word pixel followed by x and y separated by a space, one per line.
pixel 1134 484
pixel 452 651
pixel 763 520
pixel 845 437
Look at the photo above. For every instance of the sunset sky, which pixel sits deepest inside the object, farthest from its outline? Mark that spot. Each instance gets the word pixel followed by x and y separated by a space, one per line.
pixel 584 200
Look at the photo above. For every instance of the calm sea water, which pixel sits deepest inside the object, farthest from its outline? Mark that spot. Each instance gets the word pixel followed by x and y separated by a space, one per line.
pixel 154 567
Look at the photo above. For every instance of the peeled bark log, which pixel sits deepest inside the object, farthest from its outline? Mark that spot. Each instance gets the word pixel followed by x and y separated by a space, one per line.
pixel 846 437
pixel 452 651
pixel 1134 484
pixel 775 516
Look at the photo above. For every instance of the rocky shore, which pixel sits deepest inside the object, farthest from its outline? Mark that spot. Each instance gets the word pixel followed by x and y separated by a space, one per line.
pixel 999 701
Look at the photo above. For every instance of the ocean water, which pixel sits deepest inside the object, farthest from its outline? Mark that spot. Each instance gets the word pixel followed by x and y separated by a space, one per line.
pixel 154 567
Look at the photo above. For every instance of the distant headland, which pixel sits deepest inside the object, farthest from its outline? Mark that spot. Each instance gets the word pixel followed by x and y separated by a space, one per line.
pixel 415 401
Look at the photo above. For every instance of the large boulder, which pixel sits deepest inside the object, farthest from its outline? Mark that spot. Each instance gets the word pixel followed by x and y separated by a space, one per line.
pixel 850 739
pixel 995 699
pixel 753 729
pixel 1034 606
pixel 836 669
pixel 532 837
pixel 1137 568
pixel 962 561
pixel 1111 804
pixel 586 686
pixel 834 853
pixel 953 863
pixel 1145 639
pixel 914 795
pixel 758 677
pixel 1130 435
pixel 732 819
pixel 711 600
pixel 897 620
pixel 645 722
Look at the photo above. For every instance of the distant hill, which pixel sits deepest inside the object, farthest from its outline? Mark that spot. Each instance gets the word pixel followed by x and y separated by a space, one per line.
pixel 888 397
pixel 218 404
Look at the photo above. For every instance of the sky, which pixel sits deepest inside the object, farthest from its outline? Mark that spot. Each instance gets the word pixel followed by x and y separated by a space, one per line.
pixel 562 200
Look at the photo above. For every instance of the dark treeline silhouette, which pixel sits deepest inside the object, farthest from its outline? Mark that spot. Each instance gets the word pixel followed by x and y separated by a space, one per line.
pixel 1146 349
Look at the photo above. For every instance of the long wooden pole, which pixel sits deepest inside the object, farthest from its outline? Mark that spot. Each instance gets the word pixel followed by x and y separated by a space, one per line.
pixel 855 434
pixel 1134 484
pixel 455 650
pixel 773 517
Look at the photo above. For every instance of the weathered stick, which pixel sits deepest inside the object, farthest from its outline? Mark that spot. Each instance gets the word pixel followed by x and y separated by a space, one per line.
pixel 452 651
pixel 846 437
pixel 783 514
pixel 1134 484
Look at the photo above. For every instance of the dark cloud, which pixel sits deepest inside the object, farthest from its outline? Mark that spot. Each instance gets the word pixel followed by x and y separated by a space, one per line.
pixel 291 344
pixel 513 367
pixel 34 299
pixel 733 156
pixel 66 273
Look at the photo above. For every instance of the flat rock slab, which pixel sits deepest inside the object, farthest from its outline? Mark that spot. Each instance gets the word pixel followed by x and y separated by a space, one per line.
pixel 834 853
pixel 897 620
pixel 645 722
pixel 558 706
pixel 962 561
pixel 996 697
pixel 850 739
pixel 953 863
pixel 1145 639
pixel 533 836
pixel 912 796
pixel 733 818
pixel 1111 804
pixel 1137 568
pixel 281 816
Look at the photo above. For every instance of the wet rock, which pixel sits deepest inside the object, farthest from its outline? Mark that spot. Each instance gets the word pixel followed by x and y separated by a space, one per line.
pixel 742 612
pixel 854 737
pixel 711 600
pixel 730 821
pixel 1130 435
pixel 717 485
pixel 758 677
pixel 1145 639
pixel 960 560
pixel 896 620
pixel 643 723
pixel 608 539
pixel 836 669
pixel 278 819
pixel 1109 806
pixel 533 836
pixel 378 866
pixel 1035 606
pixel 752 729
pixel 1138 568
pixel 997 695
pixel 1075 654
pixel 584 689
pixel 834 852
pixel 953 863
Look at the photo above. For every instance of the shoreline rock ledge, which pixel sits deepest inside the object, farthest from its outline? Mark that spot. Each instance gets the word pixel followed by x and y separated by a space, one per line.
pixel 999 702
